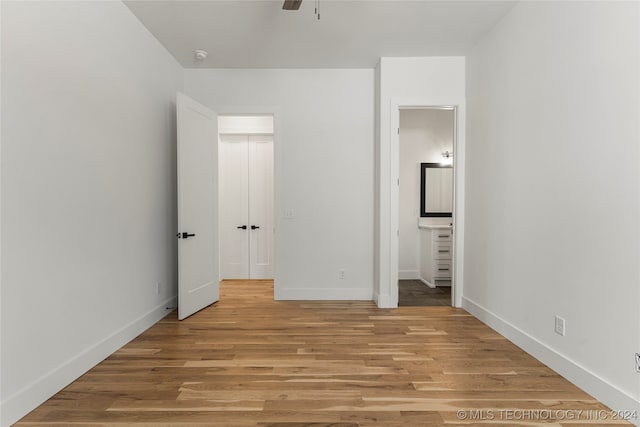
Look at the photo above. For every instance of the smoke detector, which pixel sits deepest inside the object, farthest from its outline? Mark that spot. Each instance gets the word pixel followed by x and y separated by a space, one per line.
pixel 200 54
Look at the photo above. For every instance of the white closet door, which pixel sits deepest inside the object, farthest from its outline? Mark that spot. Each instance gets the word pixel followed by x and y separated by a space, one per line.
pixel 261 206
pixel 234 206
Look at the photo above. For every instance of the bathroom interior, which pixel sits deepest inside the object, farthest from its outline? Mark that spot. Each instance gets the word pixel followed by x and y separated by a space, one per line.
pixel 425 267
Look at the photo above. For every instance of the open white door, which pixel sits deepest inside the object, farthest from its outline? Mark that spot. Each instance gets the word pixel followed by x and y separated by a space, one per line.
pixel 198 284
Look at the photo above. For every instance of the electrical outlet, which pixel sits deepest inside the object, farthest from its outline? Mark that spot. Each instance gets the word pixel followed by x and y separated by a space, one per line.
pixel 341 273
pixel 559 328
pixel 158 286
pixel 638 363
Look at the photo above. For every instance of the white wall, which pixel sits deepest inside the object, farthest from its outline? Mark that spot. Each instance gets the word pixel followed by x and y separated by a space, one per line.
pixel 424 135
pixel 433 81
pixel 553 188
pixel 323 170
pixel 88 190
pixel 244 125
pixel 1 299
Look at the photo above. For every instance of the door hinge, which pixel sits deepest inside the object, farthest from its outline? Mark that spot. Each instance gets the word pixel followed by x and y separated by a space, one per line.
pixel 398 131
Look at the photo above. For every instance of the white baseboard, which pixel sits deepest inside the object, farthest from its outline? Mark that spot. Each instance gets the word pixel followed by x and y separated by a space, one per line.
pixel 599 388
pixel 376 298
pixel 429 284
pixel 384 301
pixel 33 395
pixel 323 294
pixel 408 275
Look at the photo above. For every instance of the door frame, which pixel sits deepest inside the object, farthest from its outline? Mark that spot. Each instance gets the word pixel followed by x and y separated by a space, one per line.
pixel 277 174
pixel 457 284
pixel 230 176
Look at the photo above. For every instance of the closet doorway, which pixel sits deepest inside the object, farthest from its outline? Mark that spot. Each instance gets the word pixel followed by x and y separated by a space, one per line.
pixel 246 196
pixel 426 137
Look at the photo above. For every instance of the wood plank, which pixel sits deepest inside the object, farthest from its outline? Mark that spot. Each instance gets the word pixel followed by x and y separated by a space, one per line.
pixel 250 361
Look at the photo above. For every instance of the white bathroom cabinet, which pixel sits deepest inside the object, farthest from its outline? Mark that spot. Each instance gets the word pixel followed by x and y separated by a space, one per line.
pixel 436 255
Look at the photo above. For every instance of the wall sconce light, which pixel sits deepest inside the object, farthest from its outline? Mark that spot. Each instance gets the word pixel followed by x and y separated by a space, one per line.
pixel 447 158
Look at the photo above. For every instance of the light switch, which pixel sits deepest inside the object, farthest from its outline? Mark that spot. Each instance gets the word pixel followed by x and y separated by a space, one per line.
pixel 289 214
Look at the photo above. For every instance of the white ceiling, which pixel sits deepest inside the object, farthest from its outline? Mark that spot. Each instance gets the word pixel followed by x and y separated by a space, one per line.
pixel 350 34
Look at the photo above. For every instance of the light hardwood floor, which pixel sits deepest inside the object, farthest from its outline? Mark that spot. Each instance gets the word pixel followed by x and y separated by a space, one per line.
pixel 251 361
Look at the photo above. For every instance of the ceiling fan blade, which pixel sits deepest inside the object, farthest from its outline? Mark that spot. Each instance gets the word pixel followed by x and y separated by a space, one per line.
pixel 291 4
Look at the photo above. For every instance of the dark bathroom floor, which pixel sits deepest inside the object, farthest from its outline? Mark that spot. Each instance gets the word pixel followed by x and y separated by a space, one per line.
pixel 414 293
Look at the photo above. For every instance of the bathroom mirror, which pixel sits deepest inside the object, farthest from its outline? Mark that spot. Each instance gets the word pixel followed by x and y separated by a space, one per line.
pixel 436 190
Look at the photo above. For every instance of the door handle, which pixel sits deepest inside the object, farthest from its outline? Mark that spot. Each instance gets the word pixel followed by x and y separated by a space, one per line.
pixel 243 227
pixel 253 227
pixel 187 235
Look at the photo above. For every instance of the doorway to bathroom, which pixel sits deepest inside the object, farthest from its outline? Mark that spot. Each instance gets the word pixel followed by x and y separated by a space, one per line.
pixel 426 139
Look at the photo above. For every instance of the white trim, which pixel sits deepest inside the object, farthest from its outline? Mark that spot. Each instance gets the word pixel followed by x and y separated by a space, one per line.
pixel 582 377
pixel 34 394
pixel 383 301
pixel 432 286
pixel 408 275
pixel 324 294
